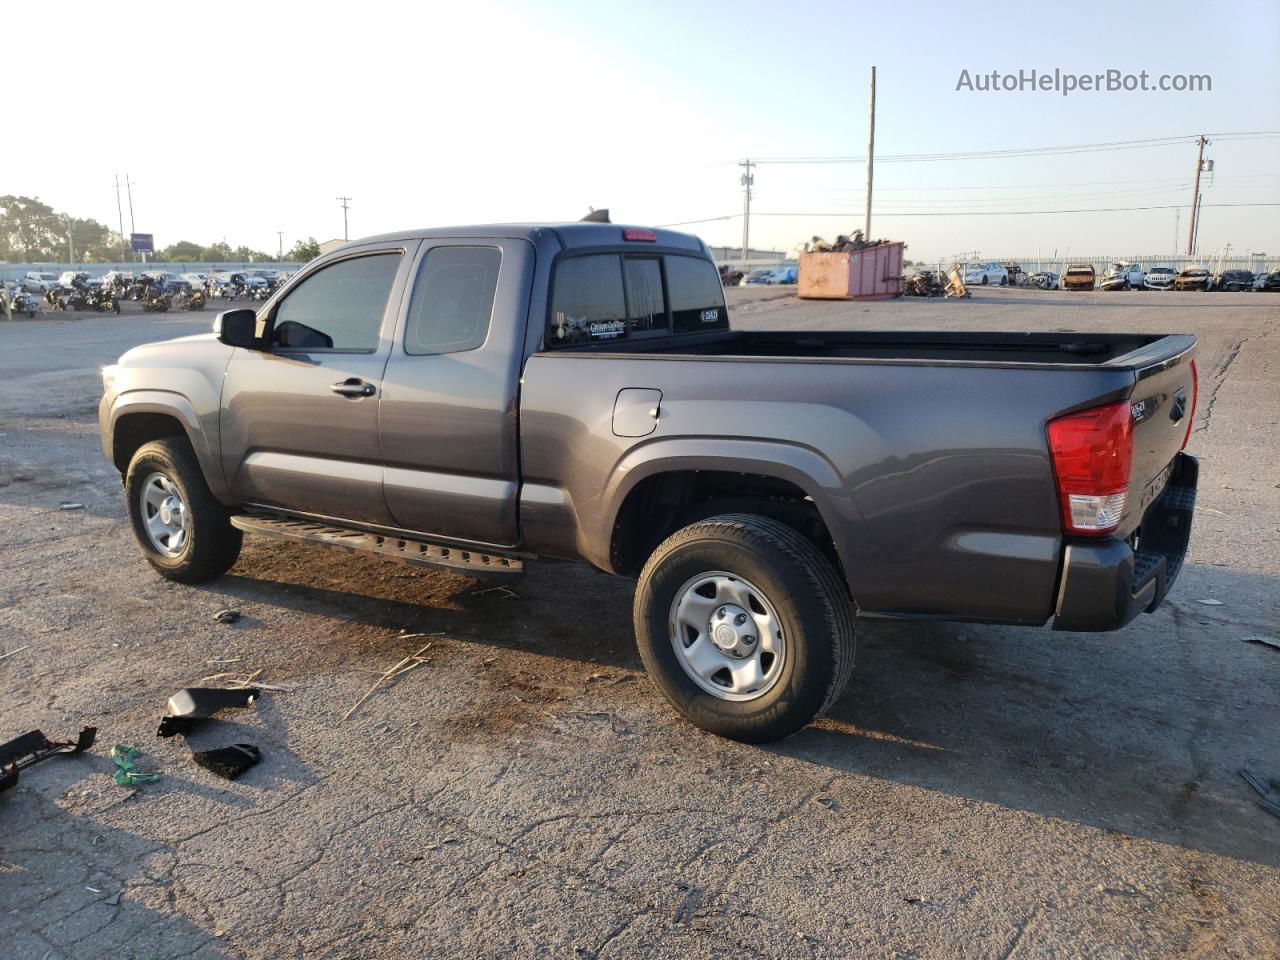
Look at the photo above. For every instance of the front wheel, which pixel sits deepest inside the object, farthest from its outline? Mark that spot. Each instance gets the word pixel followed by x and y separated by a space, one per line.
pixel 185 534
pixel 744 626
pixel 985 280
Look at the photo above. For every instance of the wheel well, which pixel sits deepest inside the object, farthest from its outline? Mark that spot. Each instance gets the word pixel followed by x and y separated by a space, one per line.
pixel 660 505
pixel 134 429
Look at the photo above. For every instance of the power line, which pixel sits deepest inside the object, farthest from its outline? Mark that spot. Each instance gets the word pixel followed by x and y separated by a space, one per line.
pixel 1063 149
pixel 963 213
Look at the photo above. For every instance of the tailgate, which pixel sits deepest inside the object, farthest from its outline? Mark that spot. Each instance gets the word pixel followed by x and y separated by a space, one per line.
pixel 1163 407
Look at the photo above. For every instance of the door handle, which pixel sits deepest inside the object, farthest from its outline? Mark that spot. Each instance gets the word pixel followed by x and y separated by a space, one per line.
pixel 353 387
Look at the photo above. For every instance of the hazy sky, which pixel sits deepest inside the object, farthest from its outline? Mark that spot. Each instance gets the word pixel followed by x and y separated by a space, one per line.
pixel 237 120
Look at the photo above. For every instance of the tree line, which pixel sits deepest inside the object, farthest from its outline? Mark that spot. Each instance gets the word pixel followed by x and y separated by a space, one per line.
pixel 31 231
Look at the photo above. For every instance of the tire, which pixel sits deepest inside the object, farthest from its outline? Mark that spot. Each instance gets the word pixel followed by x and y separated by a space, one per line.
pixel 209 544
pixel 778 569
pixel 1004 281
pixel 985 280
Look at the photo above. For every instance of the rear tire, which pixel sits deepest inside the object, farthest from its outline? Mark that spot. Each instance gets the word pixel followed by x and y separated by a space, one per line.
pixel 778 577
pixel 185 534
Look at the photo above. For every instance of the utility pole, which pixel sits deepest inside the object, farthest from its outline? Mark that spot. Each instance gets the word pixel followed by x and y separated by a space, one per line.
pixel 345 201
pixel 279 244
pixel 1201 142
pixel 871 153
pixel 71 248
pixel 128 186
pixel 748 179
pixel 1177 222
pixel 120 217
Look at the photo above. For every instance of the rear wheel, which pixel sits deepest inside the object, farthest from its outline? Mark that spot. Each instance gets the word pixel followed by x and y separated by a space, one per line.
pixel 744 626
pixel 185 534
pixel 985 280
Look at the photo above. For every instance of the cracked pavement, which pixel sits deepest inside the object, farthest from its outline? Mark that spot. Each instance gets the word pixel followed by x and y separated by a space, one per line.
pixel 979 791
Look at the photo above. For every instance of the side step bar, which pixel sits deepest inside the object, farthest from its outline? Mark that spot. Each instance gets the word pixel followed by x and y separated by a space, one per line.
pixel 417 552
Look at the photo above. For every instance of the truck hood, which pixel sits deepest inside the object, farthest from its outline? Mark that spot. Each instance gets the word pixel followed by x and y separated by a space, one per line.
pixel 166 353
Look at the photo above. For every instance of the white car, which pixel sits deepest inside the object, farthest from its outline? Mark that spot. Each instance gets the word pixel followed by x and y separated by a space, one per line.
pixel 1159 278
pixel 197 280
pixel 37 282
pixel 985 274
pixel 1129 274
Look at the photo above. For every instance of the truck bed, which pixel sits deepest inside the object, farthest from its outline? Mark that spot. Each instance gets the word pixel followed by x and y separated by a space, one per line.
pixel 1112 350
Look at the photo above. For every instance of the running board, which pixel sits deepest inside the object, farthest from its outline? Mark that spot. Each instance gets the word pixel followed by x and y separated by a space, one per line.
pixel 397 549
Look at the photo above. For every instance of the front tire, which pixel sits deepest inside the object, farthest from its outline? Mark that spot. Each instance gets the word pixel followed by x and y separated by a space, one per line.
pixel 185 534
pixel 744 626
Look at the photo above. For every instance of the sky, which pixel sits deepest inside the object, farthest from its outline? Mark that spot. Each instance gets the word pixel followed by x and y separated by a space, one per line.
pixel 257 117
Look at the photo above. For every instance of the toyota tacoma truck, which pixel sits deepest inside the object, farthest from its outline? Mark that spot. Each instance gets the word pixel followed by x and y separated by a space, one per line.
pixel 476 398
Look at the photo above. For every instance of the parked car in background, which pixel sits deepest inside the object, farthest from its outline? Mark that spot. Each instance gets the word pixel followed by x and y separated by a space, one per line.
pixel 37 282
pixel 1267 281
pixel 1079 276
pixel 1045 280
pixel 754 277
pixel 197 280
pixel 984 274
pixel 783 275
pixel 1123 275
pixel 1159 278
pixel 1233 280
pixel 1017 276
pixel 1192 278
pixel 730 277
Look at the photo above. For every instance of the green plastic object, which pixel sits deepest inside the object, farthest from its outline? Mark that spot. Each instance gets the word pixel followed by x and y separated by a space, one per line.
pixel 126 776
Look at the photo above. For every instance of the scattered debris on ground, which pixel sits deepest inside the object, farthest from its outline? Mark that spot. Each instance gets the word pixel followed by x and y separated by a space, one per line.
pixel 1210 603
pixel 199 703
pixel 1269 791
pixel 31 748
pixel 127 775
pixel 10 653
pixel 227 616
pixel 410 662
pixel 70 505
pixel 228 762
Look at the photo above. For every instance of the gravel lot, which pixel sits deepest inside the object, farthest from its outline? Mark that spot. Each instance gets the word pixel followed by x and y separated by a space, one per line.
pixel 978 792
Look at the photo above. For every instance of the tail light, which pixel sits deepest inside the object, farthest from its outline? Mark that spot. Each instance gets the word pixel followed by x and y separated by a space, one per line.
pixel 647 236
pixel 1195 396
pixel 1092 452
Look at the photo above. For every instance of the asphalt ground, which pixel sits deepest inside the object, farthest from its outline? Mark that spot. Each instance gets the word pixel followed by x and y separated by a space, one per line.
pixel 979 791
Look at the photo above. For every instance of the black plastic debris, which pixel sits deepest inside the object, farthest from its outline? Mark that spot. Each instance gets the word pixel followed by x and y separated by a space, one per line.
pixel 31 748
pixel 227 616
pixel 228 762
pixel 199 703
pixel 1269 791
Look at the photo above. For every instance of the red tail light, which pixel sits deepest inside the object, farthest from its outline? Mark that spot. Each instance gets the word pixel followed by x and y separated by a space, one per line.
pixel 646 235
pixel 1195 397
pixel 1092 452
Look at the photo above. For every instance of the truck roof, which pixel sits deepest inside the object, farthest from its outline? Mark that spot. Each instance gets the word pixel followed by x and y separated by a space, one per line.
pixel 570 235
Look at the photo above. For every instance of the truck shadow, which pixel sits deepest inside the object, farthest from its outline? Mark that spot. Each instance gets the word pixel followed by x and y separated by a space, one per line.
pixel 1141 732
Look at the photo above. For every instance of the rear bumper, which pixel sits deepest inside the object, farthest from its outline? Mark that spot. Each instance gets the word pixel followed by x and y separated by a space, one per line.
pixel 1106 584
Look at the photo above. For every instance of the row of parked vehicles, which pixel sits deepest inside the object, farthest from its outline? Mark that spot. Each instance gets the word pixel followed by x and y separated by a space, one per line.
pixel 765 276
pixel 1120 275
pixel 156 290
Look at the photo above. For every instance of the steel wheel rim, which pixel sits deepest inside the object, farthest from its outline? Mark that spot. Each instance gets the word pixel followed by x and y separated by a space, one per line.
pixel 164 515
pixel 727 636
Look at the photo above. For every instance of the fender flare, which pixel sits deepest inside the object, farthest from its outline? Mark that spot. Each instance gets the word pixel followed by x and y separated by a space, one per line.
pixel 177 406
pixel 800 465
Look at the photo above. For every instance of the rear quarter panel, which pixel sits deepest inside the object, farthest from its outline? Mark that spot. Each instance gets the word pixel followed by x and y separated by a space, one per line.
pixel 934 480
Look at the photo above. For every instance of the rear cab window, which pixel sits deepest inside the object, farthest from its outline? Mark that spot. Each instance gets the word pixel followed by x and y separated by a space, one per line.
pixel 604 297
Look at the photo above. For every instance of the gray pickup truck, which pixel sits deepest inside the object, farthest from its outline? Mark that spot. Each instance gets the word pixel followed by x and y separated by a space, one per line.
pixel 475 398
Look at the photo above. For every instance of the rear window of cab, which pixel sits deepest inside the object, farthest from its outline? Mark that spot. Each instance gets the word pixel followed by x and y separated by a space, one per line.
pixel 600 297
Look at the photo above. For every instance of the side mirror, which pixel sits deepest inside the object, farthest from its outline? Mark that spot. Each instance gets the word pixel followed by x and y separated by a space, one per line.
pixel 237 328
